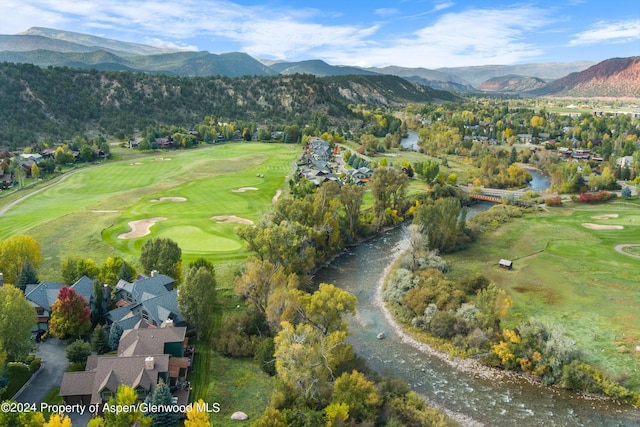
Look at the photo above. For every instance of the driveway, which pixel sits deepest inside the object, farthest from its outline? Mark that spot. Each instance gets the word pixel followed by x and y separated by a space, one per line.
pixel 54 359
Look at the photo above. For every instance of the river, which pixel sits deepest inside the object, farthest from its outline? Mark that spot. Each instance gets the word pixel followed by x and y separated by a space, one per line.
pixel 411 142
pixel 474 397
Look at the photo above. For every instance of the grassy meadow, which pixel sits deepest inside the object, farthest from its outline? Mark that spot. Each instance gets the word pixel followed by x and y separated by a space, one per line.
pixel 84 214
pixel 571 277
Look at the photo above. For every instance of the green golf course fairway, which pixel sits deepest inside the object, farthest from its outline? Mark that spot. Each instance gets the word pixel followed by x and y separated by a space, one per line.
pixel 572 277
pixel 83 215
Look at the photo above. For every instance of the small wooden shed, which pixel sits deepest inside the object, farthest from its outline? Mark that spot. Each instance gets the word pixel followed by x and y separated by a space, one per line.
pixel 506 264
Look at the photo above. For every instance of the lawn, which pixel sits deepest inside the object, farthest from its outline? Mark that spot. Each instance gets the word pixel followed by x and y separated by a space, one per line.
pixel 572 277
pixel 235 384
pixel 86 213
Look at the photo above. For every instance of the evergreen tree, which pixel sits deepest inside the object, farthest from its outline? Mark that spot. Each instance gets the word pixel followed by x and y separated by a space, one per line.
pixel 28 276
pixel 99 309
pixel 99 340
pixel 126 272
pixel 114 335
pixel 162 398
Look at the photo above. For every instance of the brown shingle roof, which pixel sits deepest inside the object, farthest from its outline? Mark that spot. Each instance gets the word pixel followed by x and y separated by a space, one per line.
pixel 134 342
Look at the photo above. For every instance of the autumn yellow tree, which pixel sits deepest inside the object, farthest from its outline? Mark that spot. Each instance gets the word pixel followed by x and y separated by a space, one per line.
pixel 197 417
pixel 58 420
pixel 13 253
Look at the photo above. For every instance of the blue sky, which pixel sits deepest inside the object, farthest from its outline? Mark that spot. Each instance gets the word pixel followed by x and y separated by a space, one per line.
pixel 420 33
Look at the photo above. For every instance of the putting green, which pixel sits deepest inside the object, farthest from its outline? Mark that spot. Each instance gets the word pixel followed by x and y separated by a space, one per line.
pixel 188 191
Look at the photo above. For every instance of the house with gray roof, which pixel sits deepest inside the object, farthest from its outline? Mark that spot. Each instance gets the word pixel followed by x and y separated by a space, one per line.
pixel 149 299
pixel 43 295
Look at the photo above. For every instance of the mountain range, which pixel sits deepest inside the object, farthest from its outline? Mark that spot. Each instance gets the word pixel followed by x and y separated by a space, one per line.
pixel 44 47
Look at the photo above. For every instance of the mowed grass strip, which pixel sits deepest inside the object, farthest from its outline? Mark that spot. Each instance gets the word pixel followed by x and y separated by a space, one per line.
pixel 63 221
pixel 570 277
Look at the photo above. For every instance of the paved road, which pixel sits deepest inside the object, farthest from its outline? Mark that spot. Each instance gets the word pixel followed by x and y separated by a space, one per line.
pixel 52 352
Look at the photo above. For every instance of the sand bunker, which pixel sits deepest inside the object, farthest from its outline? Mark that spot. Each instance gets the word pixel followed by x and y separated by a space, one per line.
pixel 140 228
pixel 606 216
pixel 136 164
pixel 275 198
pixel 161 159
pixel 224 219
pixel 601 227
pixel 170 199
pixel 243 189
pixel 103 211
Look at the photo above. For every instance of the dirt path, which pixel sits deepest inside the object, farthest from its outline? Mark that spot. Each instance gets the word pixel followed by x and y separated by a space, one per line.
pixel 619 248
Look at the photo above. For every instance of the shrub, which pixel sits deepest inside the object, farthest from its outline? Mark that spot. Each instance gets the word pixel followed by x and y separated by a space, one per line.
pixel 553 201
pixel 599 197
pixel 626 192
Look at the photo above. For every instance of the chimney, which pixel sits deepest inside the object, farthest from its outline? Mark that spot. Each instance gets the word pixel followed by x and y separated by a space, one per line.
pixel 167 324
pixel 154 273
pixel 148 363
pixel 1 279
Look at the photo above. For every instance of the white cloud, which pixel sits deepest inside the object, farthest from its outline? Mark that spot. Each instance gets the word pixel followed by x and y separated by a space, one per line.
pixel 441 6
pixel 615 32
pixel 474 36
pixel 386 12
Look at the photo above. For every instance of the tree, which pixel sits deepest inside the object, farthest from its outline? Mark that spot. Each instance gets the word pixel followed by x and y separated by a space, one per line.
pixel 13 253
pixel 35 171
pixel 21 419
pixel 388 186
pixel 259 281
pixel 167 417
pixel 126 272
pixel 162 255
pixel 110 269
pixel 125 397
pixel 86 153
pixel 114 335
pixel 306 360
pixel 360 394
pixel 78 351
pixel 28 276
pixel 99 307
pixel 351 197
pixel 324 309
pixel 17 319
pixel 100 340
pixel 197 301
pixel 196 417
pixel 19 174
pixel 58 420
pixel 70 315
pixel 202 262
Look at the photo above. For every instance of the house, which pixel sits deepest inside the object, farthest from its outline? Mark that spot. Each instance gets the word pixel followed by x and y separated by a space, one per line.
pixel 144 358
pixel 319 149
pixel 43 295
pixel 361 175
pixel 506 264
pixel 525 138
pixel 149 299
pixel 6 179
pixel 624 161
pixel 103 374
pixel 135 142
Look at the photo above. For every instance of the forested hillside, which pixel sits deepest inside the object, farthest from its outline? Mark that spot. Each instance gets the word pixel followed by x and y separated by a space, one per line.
pixel 58 102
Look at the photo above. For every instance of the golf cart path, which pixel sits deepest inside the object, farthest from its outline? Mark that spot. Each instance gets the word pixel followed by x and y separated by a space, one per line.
pixel 26 196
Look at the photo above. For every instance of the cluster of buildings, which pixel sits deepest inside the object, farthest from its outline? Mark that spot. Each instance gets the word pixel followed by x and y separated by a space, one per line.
pixel 318 164
pixel 153 346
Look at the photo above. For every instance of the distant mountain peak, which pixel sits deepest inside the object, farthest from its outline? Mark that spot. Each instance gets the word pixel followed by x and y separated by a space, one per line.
pixel 100 42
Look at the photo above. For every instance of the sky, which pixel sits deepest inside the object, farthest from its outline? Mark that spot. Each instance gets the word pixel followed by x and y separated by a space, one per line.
pixel 419 33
